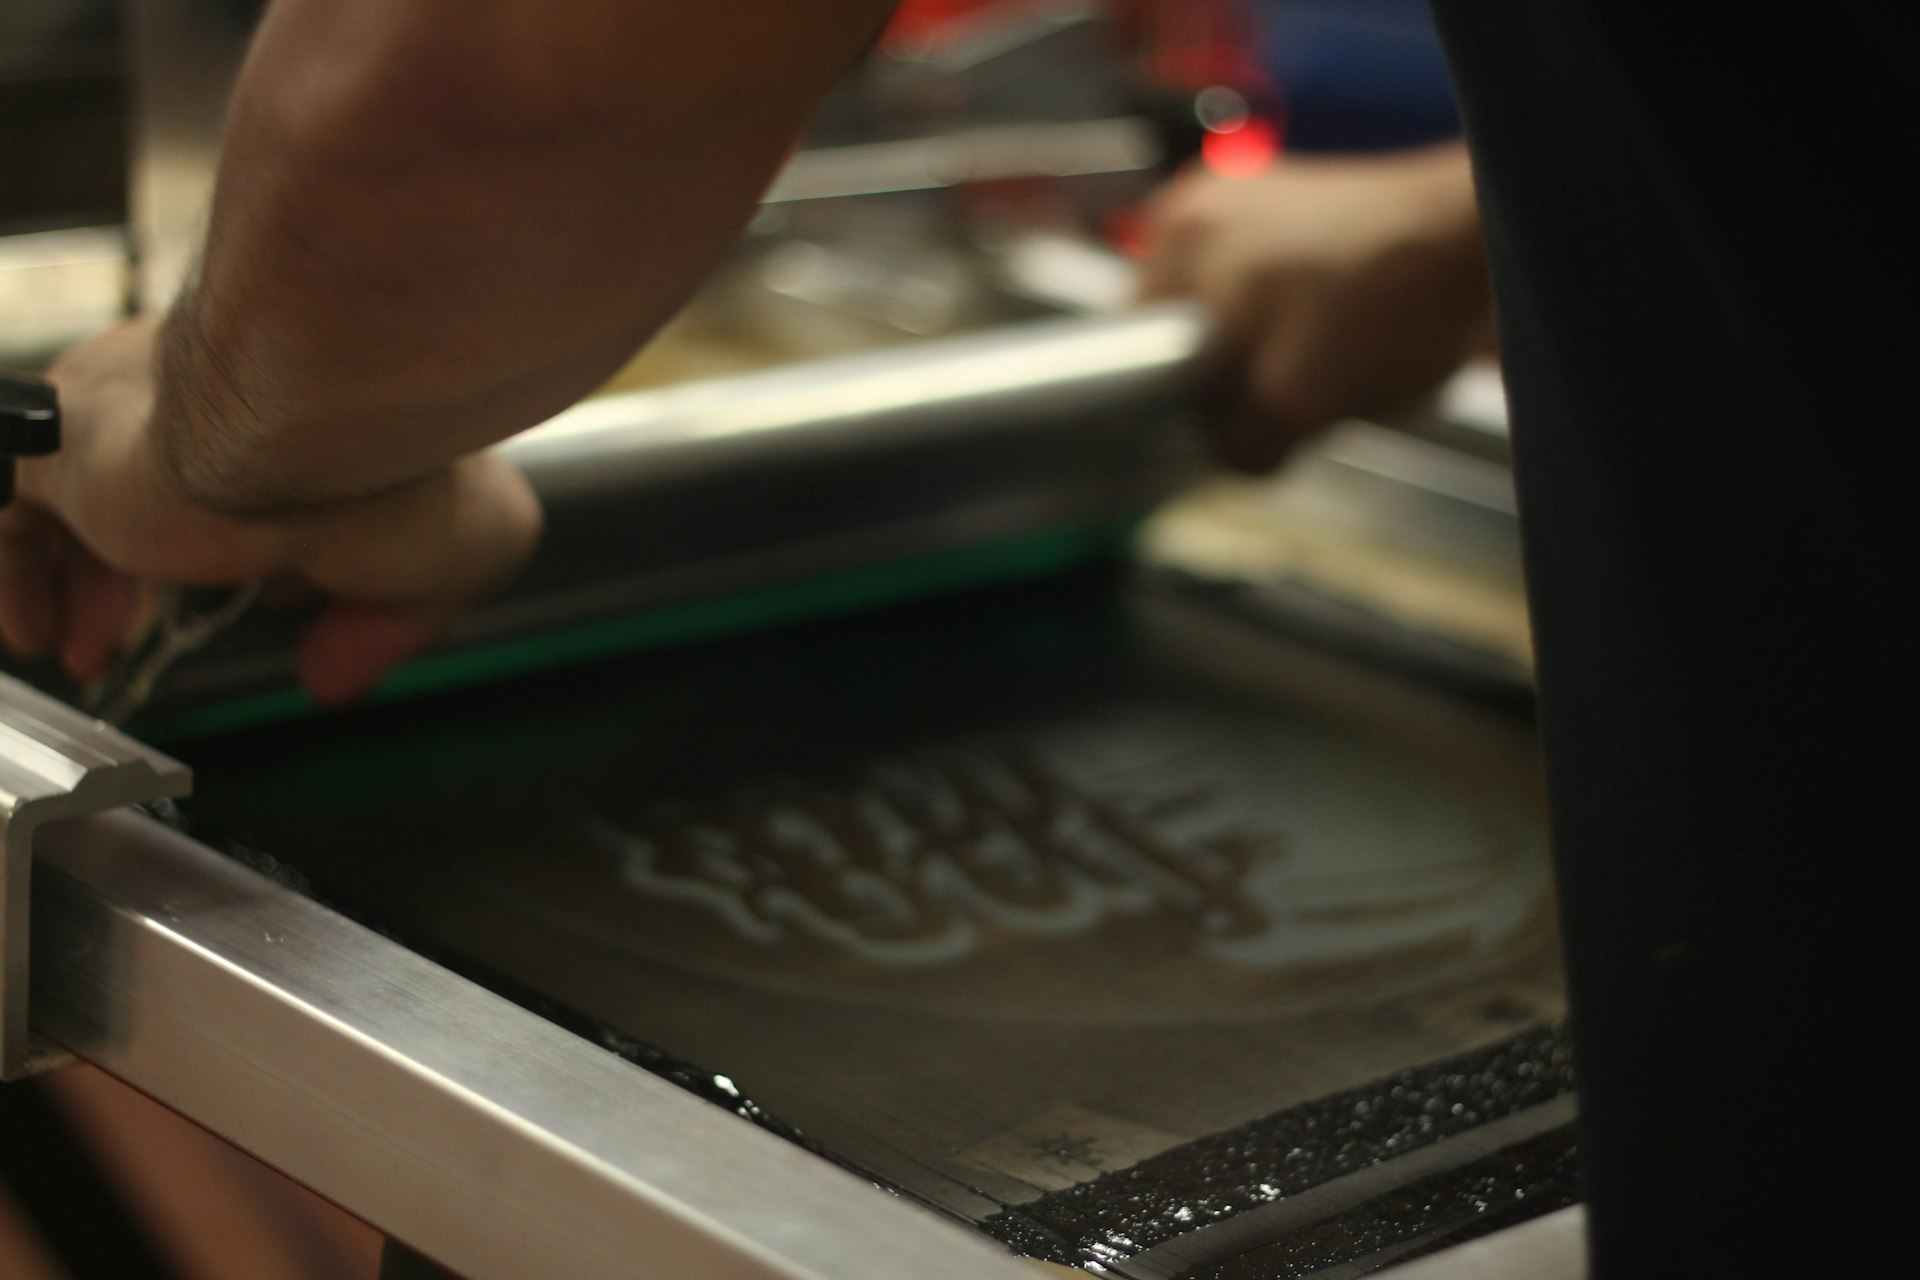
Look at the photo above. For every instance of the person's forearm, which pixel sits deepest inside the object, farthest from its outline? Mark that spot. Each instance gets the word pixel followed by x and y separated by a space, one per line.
pixel 440 221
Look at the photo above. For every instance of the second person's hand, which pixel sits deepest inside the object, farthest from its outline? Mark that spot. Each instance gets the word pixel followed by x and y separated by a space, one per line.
pixel 1342 287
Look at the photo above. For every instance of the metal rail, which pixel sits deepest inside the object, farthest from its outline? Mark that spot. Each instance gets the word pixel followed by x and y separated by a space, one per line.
pixel 1107 377
pixel 482 1135
pixel 54 763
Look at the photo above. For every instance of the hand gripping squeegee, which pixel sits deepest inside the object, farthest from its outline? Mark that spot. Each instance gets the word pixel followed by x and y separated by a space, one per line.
pixel 180 619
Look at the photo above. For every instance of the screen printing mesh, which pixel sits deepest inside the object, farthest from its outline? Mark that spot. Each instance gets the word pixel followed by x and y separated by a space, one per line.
pixel 1010 900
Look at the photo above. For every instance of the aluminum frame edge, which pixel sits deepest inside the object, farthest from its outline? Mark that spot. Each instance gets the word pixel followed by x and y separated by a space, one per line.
pixel 55 762
pixel 491 1140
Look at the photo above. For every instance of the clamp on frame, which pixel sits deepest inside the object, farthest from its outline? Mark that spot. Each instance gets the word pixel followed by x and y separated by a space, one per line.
pixel 55 762
pixel 29 425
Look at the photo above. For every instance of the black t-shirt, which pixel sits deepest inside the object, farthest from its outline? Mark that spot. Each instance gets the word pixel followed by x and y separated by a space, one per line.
pixel 1695 219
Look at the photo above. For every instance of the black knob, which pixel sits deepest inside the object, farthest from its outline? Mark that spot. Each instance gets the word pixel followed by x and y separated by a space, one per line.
pixel 29 424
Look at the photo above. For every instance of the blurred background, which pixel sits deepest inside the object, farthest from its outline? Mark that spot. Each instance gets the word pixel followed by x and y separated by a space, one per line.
pixel 1327 75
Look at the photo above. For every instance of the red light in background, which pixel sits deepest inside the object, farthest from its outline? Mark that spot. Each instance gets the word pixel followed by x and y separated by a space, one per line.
pixel 1240 152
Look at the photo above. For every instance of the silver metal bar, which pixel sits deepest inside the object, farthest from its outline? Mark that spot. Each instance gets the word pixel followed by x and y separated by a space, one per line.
pixel 1024 377
pixel 993 153
pixel 54 763
pixel 489 1139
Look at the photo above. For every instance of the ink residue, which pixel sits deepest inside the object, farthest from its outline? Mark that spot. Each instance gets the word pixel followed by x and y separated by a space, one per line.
pixel 1122 1214
pixel 1511 1185
pixel 906 860
pixel 1231 837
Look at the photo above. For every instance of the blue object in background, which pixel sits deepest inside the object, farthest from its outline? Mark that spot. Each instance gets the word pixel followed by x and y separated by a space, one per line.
pixel 1358 75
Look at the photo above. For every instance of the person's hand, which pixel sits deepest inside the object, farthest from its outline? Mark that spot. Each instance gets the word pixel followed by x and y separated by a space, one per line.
pixel 104 516
pixel 1342 287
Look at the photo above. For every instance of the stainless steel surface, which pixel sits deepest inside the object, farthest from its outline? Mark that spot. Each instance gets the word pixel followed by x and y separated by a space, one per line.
pixel 54 763
pixel 482 1135
pixel 1550 1247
